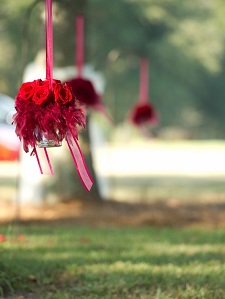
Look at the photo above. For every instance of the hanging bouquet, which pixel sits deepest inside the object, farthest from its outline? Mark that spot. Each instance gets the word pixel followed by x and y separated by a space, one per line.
pixel 143 113
pixel 84 91
pixel 48 112
pixel 83 88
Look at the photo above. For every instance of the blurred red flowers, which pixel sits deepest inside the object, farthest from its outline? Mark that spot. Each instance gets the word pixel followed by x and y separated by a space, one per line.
pixel 84 91
pixel 142 114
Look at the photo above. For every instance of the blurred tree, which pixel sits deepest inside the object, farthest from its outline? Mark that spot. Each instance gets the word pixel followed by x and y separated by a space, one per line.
pixel 184 41
pixel 173 36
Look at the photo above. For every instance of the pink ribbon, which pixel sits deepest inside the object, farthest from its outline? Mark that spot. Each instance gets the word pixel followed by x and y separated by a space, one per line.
pixel 144 83
pixel 45 165
pixel 49 40
pixel 101 108
pixel 79 161
pixel 42 155
pixel 79 39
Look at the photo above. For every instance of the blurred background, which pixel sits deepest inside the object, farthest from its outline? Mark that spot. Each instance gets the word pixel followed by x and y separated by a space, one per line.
pixel 184 42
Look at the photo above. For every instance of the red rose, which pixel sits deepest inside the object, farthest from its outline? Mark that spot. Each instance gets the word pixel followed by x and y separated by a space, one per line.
pixel 46 82
pixel 55 81
pixel 41 94
pixel 26 91
pixel 62 93
pixel 38 82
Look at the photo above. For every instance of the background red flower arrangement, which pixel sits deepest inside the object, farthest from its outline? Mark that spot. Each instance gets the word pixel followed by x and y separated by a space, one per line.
pixel 84 91
pixel 143 114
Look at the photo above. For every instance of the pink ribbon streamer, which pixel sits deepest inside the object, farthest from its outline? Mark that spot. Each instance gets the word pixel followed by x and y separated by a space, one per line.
pixel 146 132
pixel 79 38
pixel 79 162
pixel 49 40
pixel 101 108
pixel 144 81
pixel 38 160
pixel 45 165
pixel 42 155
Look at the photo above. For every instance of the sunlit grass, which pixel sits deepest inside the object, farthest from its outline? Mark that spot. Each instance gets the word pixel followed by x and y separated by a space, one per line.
pixel 78 262
pixel 178 169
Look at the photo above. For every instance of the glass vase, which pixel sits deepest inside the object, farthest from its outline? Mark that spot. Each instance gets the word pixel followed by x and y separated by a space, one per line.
pixel 43 141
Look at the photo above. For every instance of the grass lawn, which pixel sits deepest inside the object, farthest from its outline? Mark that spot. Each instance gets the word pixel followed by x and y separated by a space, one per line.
pixel 60 262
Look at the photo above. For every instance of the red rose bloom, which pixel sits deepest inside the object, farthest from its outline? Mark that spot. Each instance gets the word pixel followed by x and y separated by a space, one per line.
pixel 55 81
pixel 26 91
pixel 39 82
pixel 63 94
pixel 41 94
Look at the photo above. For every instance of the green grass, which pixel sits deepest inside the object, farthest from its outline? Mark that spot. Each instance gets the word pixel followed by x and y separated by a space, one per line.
pixel 189 189
pixel 80 262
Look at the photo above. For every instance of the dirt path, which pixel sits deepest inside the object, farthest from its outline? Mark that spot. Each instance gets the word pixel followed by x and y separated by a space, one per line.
pixel 110 213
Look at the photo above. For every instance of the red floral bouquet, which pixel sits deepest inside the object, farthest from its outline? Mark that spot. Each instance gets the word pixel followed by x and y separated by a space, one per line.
pixel 83 88
pixel 48 112
pixel 45 113
pixel 143 113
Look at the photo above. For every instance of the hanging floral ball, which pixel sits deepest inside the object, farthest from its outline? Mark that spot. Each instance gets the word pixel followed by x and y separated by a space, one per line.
pixel 143 114
pixel 48 108
pixel 84 91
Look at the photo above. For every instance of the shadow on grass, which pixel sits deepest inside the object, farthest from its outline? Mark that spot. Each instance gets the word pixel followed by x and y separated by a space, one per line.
pixel 104 261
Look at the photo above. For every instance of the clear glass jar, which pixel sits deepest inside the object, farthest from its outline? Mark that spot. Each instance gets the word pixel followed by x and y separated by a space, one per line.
pixel 43 141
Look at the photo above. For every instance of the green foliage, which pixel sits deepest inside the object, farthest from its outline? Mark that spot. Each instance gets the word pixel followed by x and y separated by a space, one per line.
pixel 68 262
pixel 185 45
pixel 183 40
